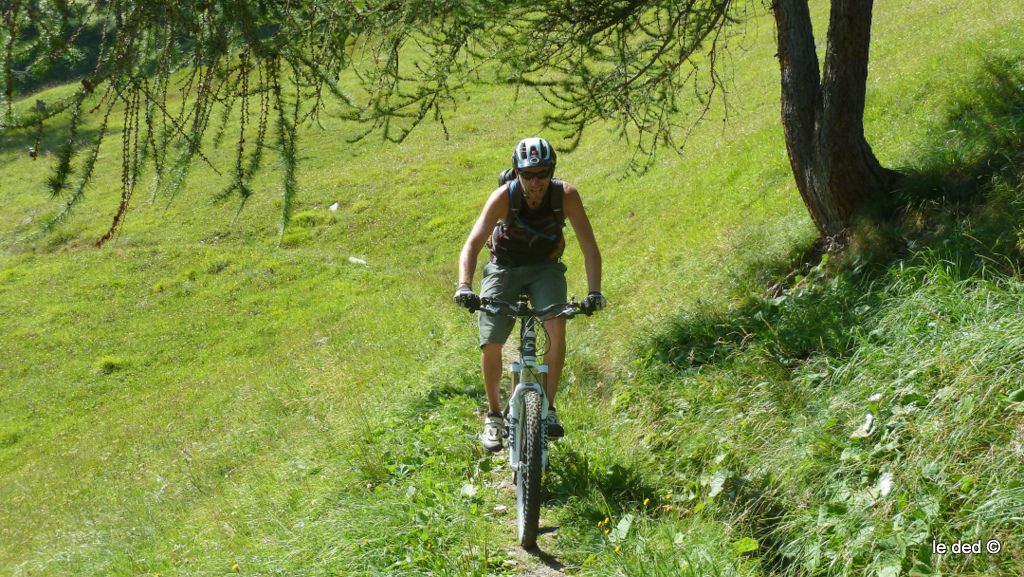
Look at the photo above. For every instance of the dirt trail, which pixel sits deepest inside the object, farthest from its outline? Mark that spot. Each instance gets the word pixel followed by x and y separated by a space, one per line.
pixel 534 563
pixel 537 564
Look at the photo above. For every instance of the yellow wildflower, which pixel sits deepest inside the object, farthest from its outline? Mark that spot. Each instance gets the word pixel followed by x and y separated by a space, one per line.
pixel 235 567
pixel 647 502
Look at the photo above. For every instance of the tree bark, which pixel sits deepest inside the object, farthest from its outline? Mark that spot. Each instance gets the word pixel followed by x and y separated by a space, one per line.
pixel 823 117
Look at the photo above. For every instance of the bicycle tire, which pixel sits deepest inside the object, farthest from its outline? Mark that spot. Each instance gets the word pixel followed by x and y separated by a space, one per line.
pixel 528 479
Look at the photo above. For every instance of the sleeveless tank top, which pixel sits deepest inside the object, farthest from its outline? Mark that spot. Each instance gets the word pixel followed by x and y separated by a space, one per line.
pixel 534 236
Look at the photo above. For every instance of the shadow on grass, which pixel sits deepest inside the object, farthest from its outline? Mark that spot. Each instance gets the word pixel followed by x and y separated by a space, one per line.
pixel 612 485
pixel 46 144
pixel 466 385
pixel 470 388
pixel 807 318
pixel 965 201
pixel 549 560
pixel 966 196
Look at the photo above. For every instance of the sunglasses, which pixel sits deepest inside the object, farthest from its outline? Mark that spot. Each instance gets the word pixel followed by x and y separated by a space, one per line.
pixel 535 175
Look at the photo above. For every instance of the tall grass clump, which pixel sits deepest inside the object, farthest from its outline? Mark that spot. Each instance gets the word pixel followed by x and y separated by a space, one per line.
pixel 852 454
pixel 917 438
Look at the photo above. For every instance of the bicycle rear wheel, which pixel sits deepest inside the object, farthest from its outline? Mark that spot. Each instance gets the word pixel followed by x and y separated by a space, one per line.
pixel 528 479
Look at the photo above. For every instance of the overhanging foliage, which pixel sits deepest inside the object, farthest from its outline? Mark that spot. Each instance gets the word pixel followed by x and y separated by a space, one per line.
pixel 625 62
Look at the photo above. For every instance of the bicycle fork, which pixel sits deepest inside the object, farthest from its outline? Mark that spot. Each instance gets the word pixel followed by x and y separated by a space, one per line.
pixel 526 376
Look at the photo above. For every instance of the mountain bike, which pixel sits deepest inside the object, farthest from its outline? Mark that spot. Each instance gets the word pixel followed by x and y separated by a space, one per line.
pixel 527 410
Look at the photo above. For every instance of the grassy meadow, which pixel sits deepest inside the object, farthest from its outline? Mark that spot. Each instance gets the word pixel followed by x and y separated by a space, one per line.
pixel 204 396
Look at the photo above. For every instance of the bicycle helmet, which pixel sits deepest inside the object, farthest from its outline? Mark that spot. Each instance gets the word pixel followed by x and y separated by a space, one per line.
pixel 533 152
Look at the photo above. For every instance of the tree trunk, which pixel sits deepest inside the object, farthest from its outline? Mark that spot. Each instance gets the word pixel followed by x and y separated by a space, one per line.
pixel 823 118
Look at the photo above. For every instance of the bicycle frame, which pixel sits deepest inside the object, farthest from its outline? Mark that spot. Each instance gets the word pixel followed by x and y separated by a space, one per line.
pixel 526 375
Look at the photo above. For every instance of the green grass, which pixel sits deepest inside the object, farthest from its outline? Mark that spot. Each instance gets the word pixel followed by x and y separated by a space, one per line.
pixel 193 396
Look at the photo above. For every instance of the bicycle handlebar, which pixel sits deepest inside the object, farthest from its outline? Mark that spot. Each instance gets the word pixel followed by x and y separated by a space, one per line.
pixel 565 310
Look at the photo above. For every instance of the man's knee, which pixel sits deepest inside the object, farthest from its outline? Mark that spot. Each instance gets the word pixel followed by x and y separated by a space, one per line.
pixel 491 349
pixel 555 329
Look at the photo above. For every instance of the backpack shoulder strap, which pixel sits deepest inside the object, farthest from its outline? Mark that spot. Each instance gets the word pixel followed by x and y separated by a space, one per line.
pixel 557 192
pixel 515 200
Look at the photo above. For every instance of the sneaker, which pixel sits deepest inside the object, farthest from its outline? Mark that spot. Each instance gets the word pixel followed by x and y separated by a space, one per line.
pixel 555 429
pixel 494 430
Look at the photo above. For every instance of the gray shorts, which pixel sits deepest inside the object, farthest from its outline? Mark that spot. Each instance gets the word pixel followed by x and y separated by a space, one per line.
pixel 545 284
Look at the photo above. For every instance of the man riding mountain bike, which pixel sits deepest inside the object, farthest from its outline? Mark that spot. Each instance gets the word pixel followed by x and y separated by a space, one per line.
pixel 521 224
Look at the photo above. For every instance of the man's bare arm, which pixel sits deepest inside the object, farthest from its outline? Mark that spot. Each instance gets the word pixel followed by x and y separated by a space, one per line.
pixel 577 215
pixel 495 208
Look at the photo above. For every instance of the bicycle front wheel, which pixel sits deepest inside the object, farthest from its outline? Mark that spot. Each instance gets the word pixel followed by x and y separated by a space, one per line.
pixel 530 467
